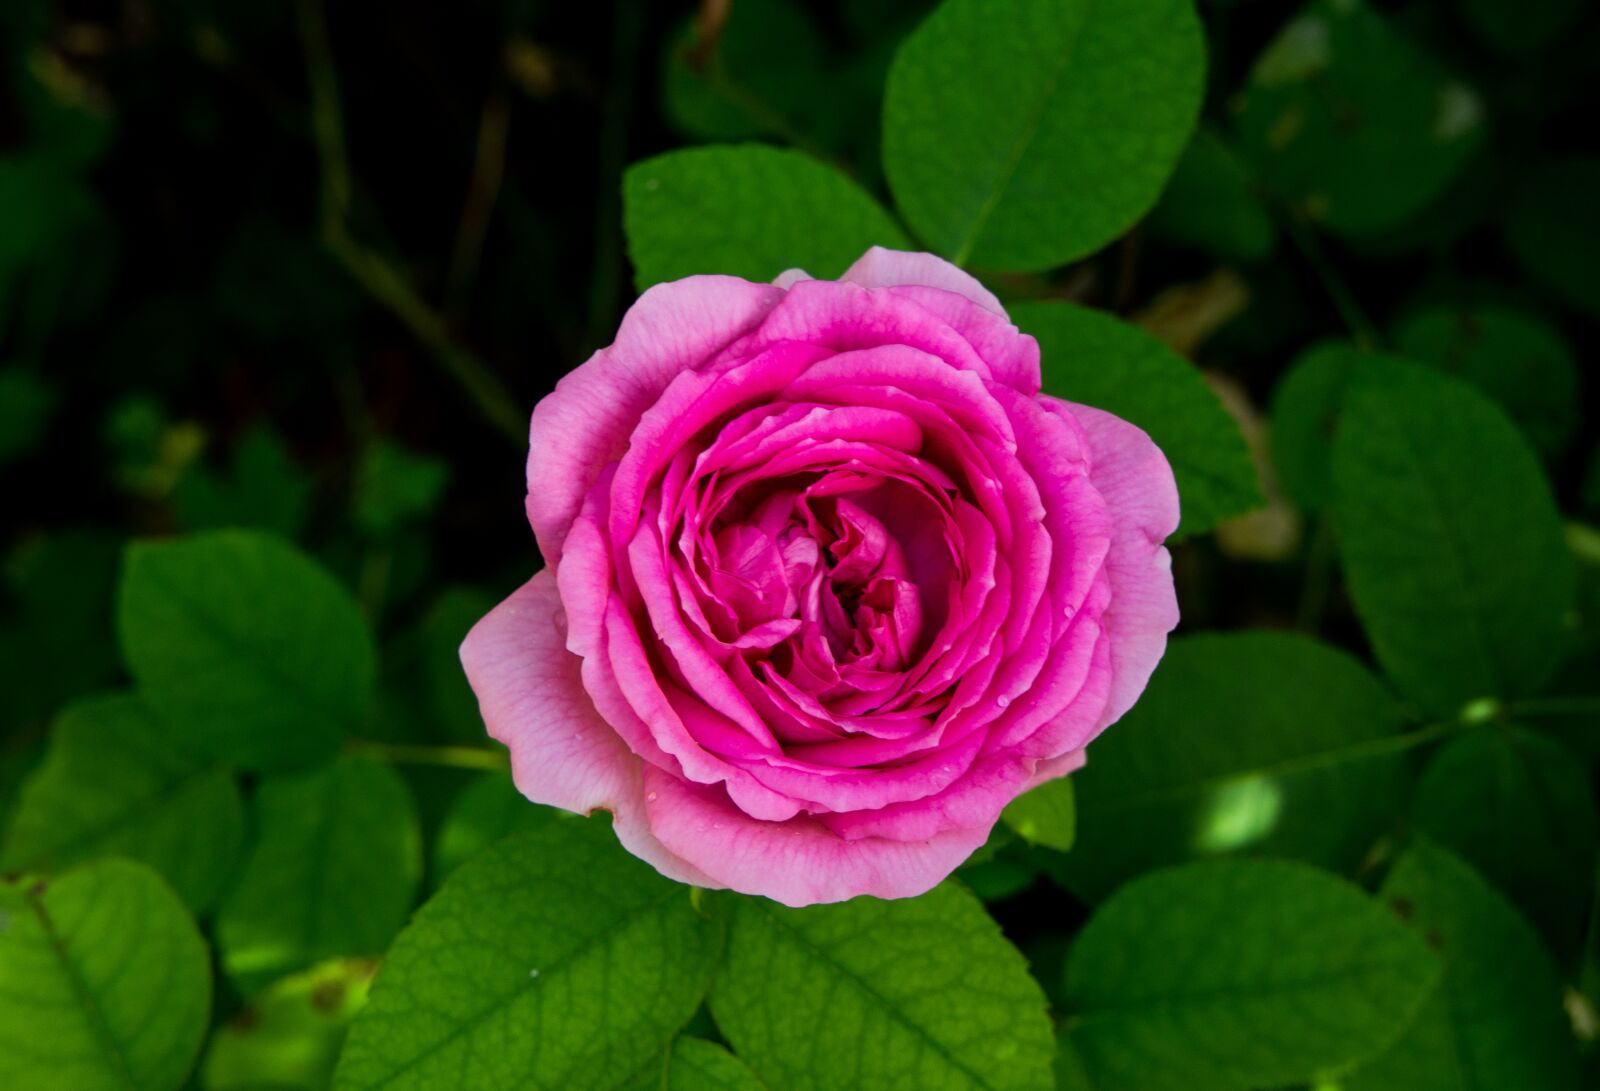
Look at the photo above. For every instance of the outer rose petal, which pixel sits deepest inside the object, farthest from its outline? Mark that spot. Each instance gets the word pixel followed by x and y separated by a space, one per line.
pixel 799 862
pixel 1133 476
pixel 881 268
pixel 562 753
pixel 586 421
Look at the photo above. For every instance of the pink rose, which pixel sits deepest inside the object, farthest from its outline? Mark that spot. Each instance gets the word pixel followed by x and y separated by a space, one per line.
pixel 828 583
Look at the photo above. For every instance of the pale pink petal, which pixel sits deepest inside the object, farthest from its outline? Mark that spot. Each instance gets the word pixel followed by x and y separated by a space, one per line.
pixel 882 268
pixel 790 277
pixel 1133 476
pixel 799 862
pixel 562 753
pixel 586 421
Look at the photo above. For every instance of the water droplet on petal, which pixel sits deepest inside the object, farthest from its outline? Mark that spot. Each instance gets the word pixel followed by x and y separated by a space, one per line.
pixel 651 797
pixel 1002 701
pixel 1067 612
pixel 559 618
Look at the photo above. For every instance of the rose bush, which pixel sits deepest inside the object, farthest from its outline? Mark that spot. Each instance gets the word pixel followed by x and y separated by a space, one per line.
pixel 828 581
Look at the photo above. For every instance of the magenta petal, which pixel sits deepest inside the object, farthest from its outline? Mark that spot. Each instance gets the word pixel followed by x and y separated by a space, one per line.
pixel 585 422
pixel 883 268
pixel 1133 476
pixel 562 753
pixel 798 862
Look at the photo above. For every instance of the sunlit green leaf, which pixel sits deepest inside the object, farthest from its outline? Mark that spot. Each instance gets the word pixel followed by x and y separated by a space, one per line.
pixel 104 982
pixel 553 961
pixel 694 1064
pixel 881 993
pixel 1045 815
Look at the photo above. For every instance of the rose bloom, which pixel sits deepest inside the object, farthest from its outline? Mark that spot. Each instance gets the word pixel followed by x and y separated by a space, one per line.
pixel 828 581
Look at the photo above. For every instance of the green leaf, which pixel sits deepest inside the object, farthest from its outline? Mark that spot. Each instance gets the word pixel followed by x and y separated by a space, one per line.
pixel 1553 229
pixel 1093 358
pixel 112 785
pixel 694 1064
pixel 1516 358
pixel 747 210
pixel 555 960
pixel 395 486
pixel 1021 134
pixel 923 992
pixel 1496 1020
pixel 1254 742
pixel 1354 123
pixel 1451 541
pixel 765 65
pixel 1211 203
pixel 1519 807
pixel 26 405
pixel 1239 973
pixel 104 982
pixel 333 872
pixel 488 810
pixel 288 1037
pixel 1045 815
pixel 1303 415
pixel 1521 27
pixel 255 655
pixel 262 488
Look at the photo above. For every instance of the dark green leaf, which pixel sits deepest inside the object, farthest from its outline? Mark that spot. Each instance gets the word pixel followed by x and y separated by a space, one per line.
pixel 1553 229
pixel 1496 1021
pixel 262 488
pixel 395 486
pixel 1303 416
pixel 1211 203
pixel 104 982
pixel 1451 542
pixel 1021 134
pixel 1520 27
pixel 1354 123
pixel 335 865
pixel 554 960
pixel 26 404
pixel 1516 358
pixel 488 810
pixel 1239 973
pixel 922 992
pixel 694 1064
pixel 1096 359
pixel 749 211
pixel 112 785
pixel 454 706
pixel 254 654
pixel 1252 742
pixel 1519 807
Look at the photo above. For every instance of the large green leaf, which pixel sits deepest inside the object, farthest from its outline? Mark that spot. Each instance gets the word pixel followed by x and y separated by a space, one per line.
pixel 1091 357
pixel 1239 973
pixel 921 994
pixel 694 1064
pixel 1520 807
pixel 1020 134
pixel 113 785
pixel 104 982
pixel 254 654
pixel 747 210
pixel 1451 541
pixel 1254 742
pixel 1514 357
pixel 1353 122
pixel 554 960
pixel 335 865
pixel 1496 1021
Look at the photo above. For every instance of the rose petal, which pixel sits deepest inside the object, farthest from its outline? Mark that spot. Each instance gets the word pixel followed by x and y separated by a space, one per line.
pixel 883 268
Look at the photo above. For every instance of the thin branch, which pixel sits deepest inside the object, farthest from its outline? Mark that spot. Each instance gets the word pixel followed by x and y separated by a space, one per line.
pixel 1344 300
pixel 483 192
pixel 453 757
